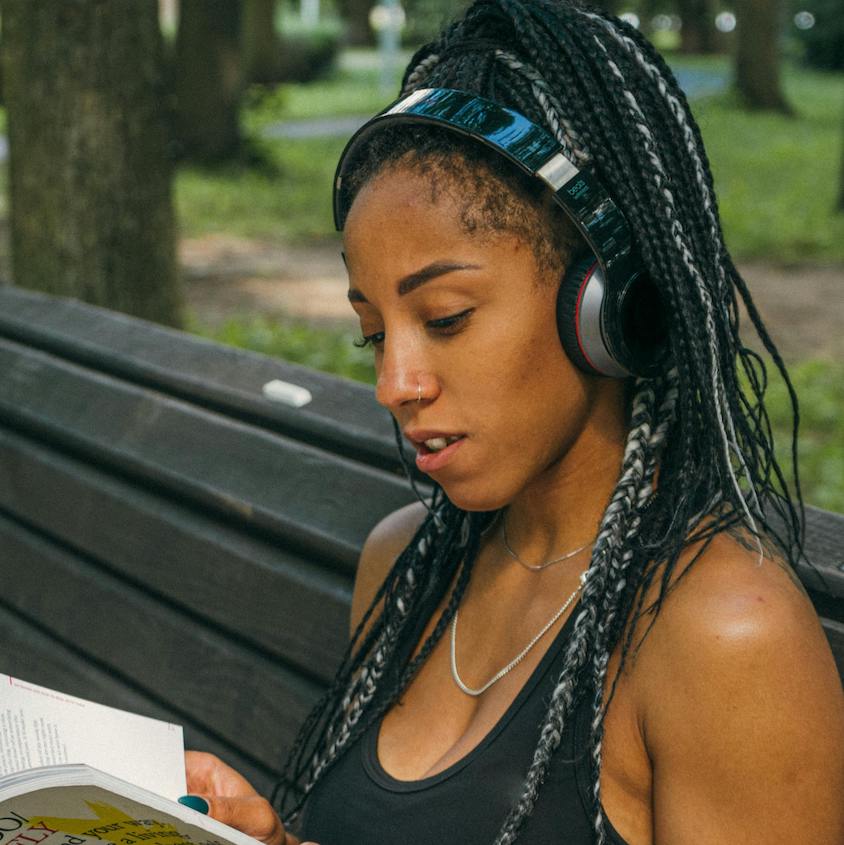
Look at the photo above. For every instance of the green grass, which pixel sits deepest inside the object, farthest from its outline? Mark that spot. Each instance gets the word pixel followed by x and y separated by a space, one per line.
pixel 329 349
pixel 288 198
pixel 777 177
pixel 820 391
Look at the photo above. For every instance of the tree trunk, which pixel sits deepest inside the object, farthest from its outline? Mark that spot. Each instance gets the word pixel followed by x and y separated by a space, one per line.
pixel 261 46
pixel 758 54
pixel 208 78
pixel 698 33
pixel 91 211
pixel 355 14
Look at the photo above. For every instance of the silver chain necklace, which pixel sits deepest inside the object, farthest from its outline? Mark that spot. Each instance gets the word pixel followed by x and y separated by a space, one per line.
pixel 518 658
pixel 535 567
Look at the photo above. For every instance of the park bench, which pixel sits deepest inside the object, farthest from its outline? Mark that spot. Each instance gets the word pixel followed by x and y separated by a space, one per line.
pixel 176 544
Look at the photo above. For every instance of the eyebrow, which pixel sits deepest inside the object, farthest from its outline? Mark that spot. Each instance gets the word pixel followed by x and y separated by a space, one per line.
pixel 420 277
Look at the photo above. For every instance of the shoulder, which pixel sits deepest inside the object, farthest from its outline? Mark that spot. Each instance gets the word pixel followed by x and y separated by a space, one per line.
pixel 384 544
pixel 740 703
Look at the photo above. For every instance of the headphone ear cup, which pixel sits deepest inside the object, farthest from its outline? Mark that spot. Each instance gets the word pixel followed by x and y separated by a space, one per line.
pixel 569 297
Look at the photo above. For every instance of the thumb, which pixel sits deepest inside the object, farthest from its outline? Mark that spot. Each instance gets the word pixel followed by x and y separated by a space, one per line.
pixel 251 814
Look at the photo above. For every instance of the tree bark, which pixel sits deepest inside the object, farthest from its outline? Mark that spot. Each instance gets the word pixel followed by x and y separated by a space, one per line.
pixel 261 45
pixel 208 79
pixel 698 33
pixel 91 212
pixel 355 14
pixel 758 54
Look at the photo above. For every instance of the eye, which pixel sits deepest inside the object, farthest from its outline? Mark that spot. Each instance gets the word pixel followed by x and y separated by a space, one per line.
pixel 374 339
pixel 452 324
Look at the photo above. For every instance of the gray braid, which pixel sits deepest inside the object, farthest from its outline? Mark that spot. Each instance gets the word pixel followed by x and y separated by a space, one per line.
pixel 722 410
pixel 568 139
pixel 679 113
pixel 606 570
pixel 420 73
pixel 363 687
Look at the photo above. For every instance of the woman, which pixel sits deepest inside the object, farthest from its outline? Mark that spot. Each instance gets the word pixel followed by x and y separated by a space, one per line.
pixel 591 632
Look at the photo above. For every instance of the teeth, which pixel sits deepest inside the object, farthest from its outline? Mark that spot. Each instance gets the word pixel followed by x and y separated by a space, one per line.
pixel 435 444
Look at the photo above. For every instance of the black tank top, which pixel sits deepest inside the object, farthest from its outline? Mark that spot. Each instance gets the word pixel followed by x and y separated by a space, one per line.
pixel 358 803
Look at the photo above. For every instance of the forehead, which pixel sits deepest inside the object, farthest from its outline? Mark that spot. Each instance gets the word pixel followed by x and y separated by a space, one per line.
pixel 466 198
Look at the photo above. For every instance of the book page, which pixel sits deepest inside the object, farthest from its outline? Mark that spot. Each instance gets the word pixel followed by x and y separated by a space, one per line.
pixel 42 727
pixel 88 815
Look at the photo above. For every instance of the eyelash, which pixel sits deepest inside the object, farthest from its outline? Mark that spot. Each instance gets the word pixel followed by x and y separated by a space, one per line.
pixel 450 325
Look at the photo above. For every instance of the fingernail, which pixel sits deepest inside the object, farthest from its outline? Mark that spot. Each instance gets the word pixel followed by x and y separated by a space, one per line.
pixel 195 802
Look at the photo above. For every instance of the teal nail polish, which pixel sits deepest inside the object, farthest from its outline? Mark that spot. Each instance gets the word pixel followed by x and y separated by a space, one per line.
pixel 195 803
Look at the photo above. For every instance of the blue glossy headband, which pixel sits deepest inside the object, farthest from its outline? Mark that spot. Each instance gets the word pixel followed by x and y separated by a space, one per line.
pixel 533 150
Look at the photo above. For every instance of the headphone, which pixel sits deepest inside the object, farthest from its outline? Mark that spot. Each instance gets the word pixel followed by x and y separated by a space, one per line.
pixel 609 312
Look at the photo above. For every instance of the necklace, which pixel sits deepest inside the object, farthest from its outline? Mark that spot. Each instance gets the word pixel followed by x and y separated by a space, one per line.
pixel 535 567
pixel 518 658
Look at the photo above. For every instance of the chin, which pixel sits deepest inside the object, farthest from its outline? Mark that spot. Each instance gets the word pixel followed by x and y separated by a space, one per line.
pixel 475 496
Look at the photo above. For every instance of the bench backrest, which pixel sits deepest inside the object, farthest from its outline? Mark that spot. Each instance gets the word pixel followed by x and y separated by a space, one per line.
pixel 176 544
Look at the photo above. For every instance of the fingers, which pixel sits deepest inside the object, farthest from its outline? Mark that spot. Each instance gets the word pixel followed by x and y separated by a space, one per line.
pixel 207 774
pixel 252 814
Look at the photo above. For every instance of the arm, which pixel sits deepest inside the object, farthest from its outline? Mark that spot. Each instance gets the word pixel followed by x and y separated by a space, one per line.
pixel 744 721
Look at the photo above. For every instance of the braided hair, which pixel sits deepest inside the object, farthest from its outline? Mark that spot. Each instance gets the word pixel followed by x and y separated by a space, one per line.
pixel 614 106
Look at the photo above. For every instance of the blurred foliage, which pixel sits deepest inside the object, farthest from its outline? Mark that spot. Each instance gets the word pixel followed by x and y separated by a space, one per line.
pixel 329 349
pixel 820 391
pixel 775 175
pixel 308 55
pixel 288 196
pixel 823 44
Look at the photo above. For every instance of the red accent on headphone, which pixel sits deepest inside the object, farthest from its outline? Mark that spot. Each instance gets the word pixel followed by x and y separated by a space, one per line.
pixel 577 316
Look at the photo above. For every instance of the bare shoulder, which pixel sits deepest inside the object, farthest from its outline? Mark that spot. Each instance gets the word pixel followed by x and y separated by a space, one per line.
pixel 741 706
pixel 384 544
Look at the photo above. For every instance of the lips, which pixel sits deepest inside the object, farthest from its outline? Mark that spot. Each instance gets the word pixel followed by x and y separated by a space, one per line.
pixel 434 449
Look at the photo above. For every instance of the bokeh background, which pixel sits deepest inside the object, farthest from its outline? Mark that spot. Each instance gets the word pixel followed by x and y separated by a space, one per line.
pixel 173 159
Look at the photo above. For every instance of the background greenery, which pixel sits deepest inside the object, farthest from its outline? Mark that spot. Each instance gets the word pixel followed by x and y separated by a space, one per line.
pixel 752 155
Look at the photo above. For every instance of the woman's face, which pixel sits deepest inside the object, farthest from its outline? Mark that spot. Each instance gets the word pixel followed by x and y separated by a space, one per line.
pixel 468 319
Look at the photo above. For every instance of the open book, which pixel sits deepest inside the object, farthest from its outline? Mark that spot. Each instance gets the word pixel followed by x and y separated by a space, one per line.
pixel 73 772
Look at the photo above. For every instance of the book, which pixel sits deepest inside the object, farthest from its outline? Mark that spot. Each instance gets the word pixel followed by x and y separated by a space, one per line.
pixel 74 772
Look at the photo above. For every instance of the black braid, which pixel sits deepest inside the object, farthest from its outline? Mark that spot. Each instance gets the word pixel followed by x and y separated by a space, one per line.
pixel 612 102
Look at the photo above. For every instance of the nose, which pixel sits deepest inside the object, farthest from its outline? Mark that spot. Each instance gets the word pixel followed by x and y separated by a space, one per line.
pixel 402 376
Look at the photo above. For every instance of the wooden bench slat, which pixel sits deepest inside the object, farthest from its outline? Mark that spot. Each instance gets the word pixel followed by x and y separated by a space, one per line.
pixel 343 416
pixel 254 589
pixel 196 454
pixel 32 655
pixel 247 700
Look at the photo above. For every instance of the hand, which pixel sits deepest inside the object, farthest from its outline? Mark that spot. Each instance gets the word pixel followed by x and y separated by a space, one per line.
pixel 233 800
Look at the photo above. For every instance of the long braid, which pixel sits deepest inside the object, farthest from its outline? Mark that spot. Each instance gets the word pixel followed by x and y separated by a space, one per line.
pixel 614 107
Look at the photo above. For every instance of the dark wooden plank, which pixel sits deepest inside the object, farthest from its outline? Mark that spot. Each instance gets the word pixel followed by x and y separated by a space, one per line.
pixel 266 481
pixel 29 653
pixel 343 416
pixel 835 634
pixel 280 602
pixel 825 549
pixel 249 701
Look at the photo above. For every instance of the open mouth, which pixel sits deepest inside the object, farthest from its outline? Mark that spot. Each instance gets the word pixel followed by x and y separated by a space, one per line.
pixel 437 444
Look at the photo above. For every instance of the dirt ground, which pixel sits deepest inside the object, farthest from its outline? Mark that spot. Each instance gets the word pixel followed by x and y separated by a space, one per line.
pixel 226 276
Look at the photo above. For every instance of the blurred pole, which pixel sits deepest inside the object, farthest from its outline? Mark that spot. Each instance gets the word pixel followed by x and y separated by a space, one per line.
pixel 387 19
pixel 309 13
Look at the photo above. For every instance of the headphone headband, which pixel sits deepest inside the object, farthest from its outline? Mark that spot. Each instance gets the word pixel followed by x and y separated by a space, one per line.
pixel 532 149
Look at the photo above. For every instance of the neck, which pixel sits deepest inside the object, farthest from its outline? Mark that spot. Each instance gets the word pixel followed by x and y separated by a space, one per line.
pixel 562 507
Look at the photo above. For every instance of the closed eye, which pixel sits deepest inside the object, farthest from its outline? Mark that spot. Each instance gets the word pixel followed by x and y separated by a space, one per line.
pixel 451 324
